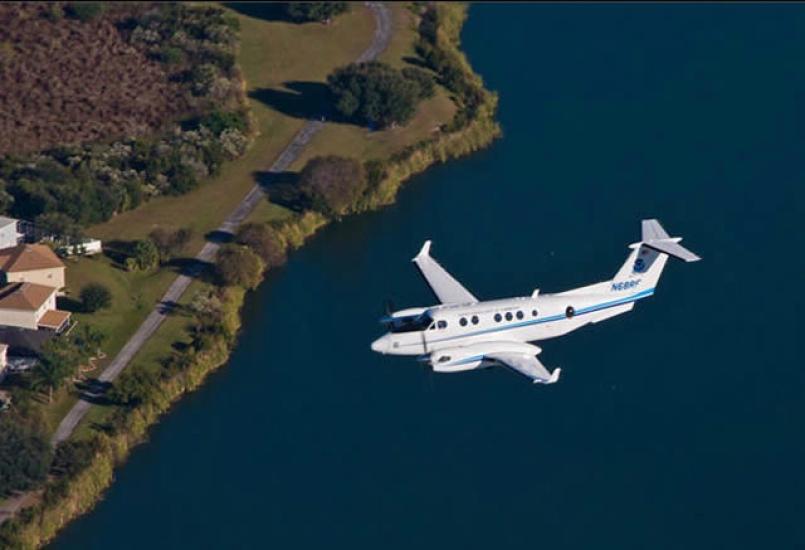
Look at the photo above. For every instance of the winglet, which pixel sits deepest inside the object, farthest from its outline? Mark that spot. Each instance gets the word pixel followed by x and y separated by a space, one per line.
pixel 423 252
pixel 552 380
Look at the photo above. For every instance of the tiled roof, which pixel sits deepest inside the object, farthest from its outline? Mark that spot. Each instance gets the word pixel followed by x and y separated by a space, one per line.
pixel 54 318
pixel 24 296
pixel 28 257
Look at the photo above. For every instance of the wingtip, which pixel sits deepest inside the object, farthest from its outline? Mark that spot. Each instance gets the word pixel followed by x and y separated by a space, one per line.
pixel 424 251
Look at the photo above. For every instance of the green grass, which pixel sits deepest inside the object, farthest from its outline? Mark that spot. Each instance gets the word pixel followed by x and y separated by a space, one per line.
pixel 272 55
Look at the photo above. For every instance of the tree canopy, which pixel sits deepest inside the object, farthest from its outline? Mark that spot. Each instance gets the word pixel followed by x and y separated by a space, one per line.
pixel 264 242
pixel 332 184
pixel 237 265
pixel 377 94
pixel 24 455
pixel 95 296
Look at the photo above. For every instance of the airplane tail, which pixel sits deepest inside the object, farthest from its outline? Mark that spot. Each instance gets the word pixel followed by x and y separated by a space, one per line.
pixel 645 263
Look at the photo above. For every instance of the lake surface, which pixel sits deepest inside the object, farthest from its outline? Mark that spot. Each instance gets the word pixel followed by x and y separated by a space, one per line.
pixel 679 425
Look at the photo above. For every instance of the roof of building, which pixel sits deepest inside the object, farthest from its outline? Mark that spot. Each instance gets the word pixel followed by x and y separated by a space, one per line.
pixel 54 318
pixel 4 221
pixel 24 296
pixel 28 257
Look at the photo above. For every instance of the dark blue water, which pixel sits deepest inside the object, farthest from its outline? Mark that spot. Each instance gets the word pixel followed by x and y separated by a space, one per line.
pixel 679 425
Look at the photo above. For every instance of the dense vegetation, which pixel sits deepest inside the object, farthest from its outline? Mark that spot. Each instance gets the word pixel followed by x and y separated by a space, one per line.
pixel 24 454
pixel 333 185
pixel 434 47
pixel 192 49
pixel 314 11
pixel 377 94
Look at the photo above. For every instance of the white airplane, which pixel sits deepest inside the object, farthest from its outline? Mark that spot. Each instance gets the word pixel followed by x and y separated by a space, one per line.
pixel 464 333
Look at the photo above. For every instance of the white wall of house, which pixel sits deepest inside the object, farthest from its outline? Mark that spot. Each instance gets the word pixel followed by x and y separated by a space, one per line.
pixel 9 236
pixel 26 318
pixel 53 276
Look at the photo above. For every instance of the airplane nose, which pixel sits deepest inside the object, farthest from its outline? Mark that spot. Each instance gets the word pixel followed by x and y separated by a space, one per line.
pixel 381 345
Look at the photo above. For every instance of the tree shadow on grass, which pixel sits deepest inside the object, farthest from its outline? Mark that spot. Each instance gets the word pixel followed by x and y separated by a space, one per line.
pixel 117 251
pixel 69 304
pixel 268 11
pixel 308 100
pixel 282 188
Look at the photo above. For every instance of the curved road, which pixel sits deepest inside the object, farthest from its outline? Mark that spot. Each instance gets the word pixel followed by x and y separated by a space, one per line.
pixel 380 42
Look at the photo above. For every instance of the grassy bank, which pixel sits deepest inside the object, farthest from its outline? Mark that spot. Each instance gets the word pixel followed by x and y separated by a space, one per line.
pixel 109 432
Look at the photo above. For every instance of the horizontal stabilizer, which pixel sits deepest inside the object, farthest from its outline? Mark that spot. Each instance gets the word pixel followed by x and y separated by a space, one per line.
pixel 668 246
pixel 655 237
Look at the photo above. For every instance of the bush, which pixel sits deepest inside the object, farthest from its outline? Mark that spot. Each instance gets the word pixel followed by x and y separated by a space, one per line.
pixel 95 296
pixel 237 265
pixel 144 256
pixel 314 11
pixel 24 455
pixel 84 11
pixel 377 94
pixel 332 184
pixel 169 243
pixel 263 241
pixel 427 87
pixel 73 457
pixel 133 388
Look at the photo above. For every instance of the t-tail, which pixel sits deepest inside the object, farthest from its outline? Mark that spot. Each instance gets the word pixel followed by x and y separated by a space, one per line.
pixel 645 263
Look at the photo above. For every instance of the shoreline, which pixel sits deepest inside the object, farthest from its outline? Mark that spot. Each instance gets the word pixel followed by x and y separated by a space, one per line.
pixel 67 498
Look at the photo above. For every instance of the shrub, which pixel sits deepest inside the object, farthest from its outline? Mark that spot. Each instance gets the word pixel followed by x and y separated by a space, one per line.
pixel 427 87
pixel 73 457
pixel 237 265
pixel 377 94
pixel 314 11
pixel 263 241
pixel 95 296
pixel 333 184
pixel 144 256
pixel 133 388
pixel 169 243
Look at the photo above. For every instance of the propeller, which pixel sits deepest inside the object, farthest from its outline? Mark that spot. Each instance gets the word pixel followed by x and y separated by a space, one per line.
pixel 388 310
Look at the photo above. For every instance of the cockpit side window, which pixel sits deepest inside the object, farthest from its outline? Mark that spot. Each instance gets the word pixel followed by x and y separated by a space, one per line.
pixel 413 323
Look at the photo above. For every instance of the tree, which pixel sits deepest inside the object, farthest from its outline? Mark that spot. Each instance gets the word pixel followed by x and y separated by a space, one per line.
pixel 144 256
pixel 314 11
pixel 56 364
pixel 24 455
pixel 169 243
pixel 133 388
pixel 333 184
pixel 237 265
pixel 377 94
pixel 263 241
pixel 95 296
pixel 59 226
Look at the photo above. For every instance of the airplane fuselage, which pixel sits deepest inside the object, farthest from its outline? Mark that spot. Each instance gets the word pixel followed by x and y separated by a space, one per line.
pixel 523 319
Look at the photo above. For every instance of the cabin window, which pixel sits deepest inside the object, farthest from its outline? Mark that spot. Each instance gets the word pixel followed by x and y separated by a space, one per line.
pixel 474 319
pixel 442 324
pixel 508 315
pixel 498 317
pixel 463 321
pixel 519 314
pixel 533 312
pixel 444 358
pixel 570 312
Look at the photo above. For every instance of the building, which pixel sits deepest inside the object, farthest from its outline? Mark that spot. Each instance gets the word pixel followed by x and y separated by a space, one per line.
pixel 9 232
pixel 32 263
pixel 31 306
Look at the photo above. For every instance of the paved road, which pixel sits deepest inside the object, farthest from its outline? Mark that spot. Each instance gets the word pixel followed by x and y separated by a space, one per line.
pixel 379 43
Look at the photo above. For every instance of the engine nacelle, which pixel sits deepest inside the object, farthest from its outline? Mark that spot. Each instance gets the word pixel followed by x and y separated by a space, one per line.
pixel 455 360
pixel 472 357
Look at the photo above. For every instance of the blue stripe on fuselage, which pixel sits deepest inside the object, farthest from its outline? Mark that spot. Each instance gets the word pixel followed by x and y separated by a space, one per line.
pixel 589 309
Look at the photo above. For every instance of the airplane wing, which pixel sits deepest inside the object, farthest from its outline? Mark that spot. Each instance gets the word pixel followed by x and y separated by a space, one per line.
pixel 443 285
pixel 527 365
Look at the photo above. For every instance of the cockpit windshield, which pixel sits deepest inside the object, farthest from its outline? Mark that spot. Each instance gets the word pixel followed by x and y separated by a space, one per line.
pixel 412 323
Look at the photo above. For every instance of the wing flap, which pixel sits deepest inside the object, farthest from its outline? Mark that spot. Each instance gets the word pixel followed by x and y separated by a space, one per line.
pixel 444 286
